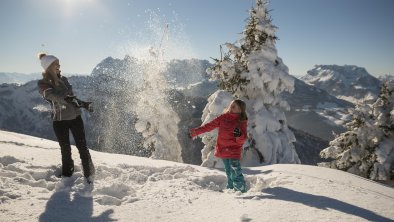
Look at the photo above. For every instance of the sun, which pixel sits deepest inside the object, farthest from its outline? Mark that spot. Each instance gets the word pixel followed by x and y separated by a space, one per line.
pixel 72 7
pixel 71 3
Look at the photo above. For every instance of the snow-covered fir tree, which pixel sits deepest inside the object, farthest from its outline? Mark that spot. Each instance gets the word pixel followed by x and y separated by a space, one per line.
pixel 251 70
pixel 367 148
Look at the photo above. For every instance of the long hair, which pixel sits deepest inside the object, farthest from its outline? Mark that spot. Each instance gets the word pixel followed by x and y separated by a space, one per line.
pixel 242 105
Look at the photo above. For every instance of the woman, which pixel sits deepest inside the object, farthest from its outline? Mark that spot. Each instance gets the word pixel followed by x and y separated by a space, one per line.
pixel 232 134
pixel 66 115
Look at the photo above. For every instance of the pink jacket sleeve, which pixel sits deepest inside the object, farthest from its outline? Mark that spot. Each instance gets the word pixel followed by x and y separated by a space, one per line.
pixel 244 132
pixel 207 127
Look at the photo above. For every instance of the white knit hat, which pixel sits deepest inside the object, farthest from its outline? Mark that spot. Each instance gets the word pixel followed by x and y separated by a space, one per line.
pixel 47 60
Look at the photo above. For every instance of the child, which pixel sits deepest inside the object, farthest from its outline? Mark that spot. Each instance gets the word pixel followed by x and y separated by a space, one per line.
pixel 56 89
pixel 232 134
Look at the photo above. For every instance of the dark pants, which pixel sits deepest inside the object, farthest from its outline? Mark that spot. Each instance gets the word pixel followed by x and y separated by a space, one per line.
pixel 235 179
pixel 62 131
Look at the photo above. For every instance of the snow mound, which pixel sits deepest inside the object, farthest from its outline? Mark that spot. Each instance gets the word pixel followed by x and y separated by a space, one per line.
pixel 128 188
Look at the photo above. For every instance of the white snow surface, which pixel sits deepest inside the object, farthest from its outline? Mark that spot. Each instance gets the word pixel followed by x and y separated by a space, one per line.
pixel 128 188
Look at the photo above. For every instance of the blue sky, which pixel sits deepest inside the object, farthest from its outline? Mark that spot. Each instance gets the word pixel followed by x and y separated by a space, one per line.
pixel 84 32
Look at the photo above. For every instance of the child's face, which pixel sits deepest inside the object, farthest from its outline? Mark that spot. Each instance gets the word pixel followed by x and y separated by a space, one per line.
pixel 234 108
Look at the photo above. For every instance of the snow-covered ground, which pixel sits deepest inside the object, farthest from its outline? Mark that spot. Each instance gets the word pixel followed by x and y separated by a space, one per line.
pixel 129 188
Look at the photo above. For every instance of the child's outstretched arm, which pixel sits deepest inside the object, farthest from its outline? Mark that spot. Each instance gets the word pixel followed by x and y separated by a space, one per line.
pixel 205 128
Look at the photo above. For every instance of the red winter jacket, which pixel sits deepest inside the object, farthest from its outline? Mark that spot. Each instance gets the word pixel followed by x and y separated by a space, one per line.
pixel 227 146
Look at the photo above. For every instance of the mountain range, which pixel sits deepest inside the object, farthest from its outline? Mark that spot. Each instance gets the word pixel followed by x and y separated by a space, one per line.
pixel 315 115
pixel 347 82
pixel 18 78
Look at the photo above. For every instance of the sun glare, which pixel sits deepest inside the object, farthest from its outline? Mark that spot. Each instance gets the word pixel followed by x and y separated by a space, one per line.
pixel 72 7
pixel 71 3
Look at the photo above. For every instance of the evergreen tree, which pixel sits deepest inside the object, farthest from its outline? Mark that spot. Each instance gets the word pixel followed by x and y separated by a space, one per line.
pixel 252 71
pixel 367 148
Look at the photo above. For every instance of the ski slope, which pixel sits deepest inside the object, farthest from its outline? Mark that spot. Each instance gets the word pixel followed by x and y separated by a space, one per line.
pixel 129 188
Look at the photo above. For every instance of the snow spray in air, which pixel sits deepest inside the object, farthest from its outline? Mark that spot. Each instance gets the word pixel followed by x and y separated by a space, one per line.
pixel 156 119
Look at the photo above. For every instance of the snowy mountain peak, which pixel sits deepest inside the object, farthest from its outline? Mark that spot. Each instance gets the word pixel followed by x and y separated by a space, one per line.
pixel 178 72
pixel 346 74
pixel 348 82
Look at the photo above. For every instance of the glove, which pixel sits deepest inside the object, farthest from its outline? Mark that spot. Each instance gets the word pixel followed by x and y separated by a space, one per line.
pixel 79 103
pixel 72 100
pixel 237 132
pixel 69 98
pixel 87 105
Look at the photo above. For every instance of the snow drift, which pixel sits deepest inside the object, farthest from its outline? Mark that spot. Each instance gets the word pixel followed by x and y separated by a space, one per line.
pixel 129 188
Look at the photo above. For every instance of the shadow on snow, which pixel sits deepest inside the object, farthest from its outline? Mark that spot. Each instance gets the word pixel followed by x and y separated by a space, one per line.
pixel 320 202
pixel 60 207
